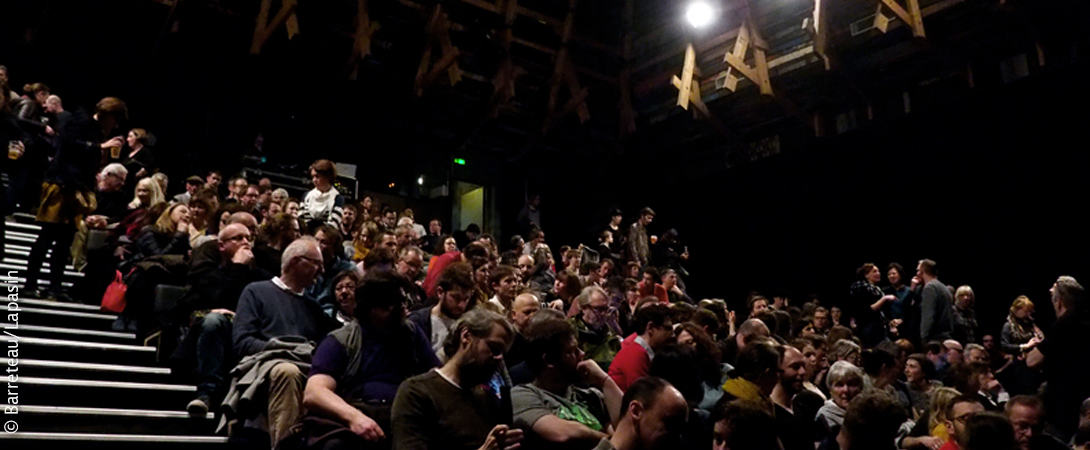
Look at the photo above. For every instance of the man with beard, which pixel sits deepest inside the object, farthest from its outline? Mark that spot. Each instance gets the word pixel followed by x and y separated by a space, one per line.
pixel 356 370
pixel 794 429
pixel 552 410
pixel 595 338
pixel 453 291
pixel 448 407
pixel 331 243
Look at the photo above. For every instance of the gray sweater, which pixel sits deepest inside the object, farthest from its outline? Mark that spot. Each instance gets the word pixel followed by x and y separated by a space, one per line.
pixel 936 312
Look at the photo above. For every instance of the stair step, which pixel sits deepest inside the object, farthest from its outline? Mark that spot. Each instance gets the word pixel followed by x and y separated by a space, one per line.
pixel 105 441
pixel 38 331
pixel 23 262
pixel 80 351
pixel 66 319
pixel 70 419
pixel 59 305
pixel 83 370
pixel 24 226
pixel 106 394
pixel 44 270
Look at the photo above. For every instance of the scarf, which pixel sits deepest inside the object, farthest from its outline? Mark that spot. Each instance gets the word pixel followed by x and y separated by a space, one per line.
pixel 1021 329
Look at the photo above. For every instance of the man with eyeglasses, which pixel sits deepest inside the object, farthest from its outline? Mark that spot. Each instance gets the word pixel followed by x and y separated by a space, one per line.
pixel 958 413
pixel 593 332
pixel 410 262
pixel 279 308
pixel 331 243
pixel 212 301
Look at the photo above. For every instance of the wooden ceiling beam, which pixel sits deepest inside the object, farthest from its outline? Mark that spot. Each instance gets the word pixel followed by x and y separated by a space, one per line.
pixel 285 16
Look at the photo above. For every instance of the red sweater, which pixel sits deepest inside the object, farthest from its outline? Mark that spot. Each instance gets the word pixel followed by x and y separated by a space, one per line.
pixel 630 364
pixel 647 290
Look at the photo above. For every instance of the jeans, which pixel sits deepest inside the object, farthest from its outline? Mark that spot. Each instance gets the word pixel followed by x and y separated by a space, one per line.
pixel 213 349
pixel 55 236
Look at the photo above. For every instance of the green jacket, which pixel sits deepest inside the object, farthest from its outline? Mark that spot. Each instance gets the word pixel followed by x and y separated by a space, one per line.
pixel 600 347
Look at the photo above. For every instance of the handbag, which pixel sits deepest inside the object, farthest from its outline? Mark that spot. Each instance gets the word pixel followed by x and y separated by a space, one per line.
pixel 114 298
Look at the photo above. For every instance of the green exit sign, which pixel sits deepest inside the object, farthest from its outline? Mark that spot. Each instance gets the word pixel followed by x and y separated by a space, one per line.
pixel 459 161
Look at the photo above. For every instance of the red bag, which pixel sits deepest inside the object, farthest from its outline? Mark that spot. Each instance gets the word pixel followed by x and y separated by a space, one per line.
pixel 114 298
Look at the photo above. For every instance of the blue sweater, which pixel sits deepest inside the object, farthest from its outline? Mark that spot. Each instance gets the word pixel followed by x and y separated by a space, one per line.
pixel 265 311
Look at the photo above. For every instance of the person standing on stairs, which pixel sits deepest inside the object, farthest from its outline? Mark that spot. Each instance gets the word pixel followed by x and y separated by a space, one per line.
pixel 68 191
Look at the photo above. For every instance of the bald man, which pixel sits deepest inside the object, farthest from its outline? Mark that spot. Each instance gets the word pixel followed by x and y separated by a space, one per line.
pixel 211 304
pixel 653 414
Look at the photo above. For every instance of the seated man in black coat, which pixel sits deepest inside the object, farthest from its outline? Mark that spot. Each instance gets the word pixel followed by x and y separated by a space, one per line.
pixel 210 307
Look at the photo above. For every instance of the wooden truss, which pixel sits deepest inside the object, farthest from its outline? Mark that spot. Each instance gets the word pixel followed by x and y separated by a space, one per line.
pixel 286 16
pixel 736 60
pixel 564 73
pixel 689 93
pixel 912 16
pixel 361 46
pixel 508 73
pixel 438 33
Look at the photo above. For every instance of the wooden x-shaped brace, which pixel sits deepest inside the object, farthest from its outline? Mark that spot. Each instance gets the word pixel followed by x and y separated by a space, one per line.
pixel 438 31
pixel 286 16
pixel 688 88
pixel 912 16
pixel 365 28
pixel 577 103
pixel 508 73
pixel 736 60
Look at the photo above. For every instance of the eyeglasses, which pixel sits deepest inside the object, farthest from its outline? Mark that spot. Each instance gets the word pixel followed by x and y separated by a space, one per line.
pixel 316 262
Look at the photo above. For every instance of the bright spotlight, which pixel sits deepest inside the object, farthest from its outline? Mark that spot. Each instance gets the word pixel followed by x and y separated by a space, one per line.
pixel 420 180
pixel 700 14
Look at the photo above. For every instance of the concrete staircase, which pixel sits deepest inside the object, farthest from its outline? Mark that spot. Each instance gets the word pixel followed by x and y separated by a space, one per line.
pixel 81 385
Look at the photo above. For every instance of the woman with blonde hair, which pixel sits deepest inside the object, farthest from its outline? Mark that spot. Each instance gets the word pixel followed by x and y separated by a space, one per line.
pixel 930 431
pixel 169 235
pixel 148 193
pixel 1020 334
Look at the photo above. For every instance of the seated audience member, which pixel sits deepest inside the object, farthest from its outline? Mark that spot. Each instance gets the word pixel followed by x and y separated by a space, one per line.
pixel 674 293
pixel 653 416
pixel 593 333
pixel 147 196
pixel 410 261
pixel 344 289
pixel 958 413
pixel 201 209
pixel 589 274
pixel 755 374
pixel 566 287
pixel 846 350
pixel 710 370
pixel 452 407
pixel 1026 414
pixel 349 221
pixel 110 198
pixel 651 285
pixel 168 236
pixel 505 287
pixel 210 305
pixel 743 424
pixel 679 365
pixel 236 189
pixel 920 377
pixel 989 431
pixel 882 375
pixel 522 309
pixel 208 258
pixel 552 410
pixel 871 423
pixel 192 185
pixel 977 379
pixel 329 239
pixel 272 309
pixel 323 204
pixel 793 422
pixel 820 320
pixel 404 236
pixel 633 361
pixel 749 331
pixel 276 233
pixel 845 382
pixel 356 370
pixel 453 290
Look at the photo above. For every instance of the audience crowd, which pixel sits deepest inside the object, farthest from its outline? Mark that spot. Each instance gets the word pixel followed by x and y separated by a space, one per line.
pixel 329 322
